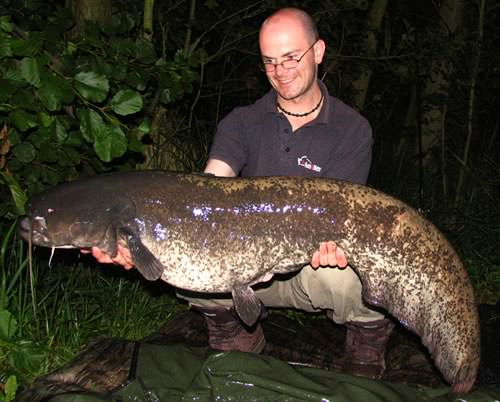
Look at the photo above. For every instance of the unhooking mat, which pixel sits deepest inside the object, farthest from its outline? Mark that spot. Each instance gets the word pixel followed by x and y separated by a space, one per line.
pixel 181 373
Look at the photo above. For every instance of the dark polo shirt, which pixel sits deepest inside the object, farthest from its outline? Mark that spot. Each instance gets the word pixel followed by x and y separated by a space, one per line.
pixel 256 140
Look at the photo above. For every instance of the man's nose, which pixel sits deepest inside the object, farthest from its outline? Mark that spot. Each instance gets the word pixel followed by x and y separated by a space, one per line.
pixel 280 70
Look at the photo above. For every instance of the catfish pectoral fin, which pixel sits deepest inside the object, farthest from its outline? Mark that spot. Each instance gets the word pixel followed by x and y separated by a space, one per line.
pixel 247 304
pixel 145 262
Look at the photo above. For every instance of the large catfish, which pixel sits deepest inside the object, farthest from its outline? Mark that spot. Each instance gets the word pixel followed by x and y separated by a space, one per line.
pixel 209 234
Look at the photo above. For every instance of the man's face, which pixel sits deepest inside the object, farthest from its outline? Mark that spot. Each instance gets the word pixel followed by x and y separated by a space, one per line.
pixel 282 39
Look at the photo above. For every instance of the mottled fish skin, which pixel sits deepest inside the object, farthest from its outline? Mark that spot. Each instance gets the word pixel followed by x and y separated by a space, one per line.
pixel 213 234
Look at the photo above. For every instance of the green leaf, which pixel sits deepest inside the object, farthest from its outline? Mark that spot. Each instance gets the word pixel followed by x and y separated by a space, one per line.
pixel 31 46
pixel 27 357
pixel 5 24
pixel 68 156
pixel 14 74
pixel 5 47
pixel 43 135
pixel 119 73
pixel 25 152
pixel 74 139
pixel 8 325
pixel 110 144
pixel 59 131
pixel 54 91
pixel 18 195
pixel 30 70
pixel 123 47
pixel 23 99
pixel 144 127
pixel 23 120
pixel 45 119
pixel 47 153
pixel 7 89
pixel 135 144
pixel 126 102
pixel 15 137
pixel 92 86
pixel 71 48
pixel 51 176
pixel 10 388
pixel 91 124
pixel 138 80
pixel 103 67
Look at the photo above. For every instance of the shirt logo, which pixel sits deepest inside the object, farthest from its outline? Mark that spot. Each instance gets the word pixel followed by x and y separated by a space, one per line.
pixel 306 163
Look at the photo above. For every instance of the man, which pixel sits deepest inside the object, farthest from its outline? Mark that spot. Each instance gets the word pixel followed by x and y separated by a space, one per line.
pixel 296 129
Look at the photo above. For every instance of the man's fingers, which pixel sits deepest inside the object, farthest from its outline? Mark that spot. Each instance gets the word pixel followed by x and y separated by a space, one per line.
pixel 101 256
pixel 323 254
pixel 341 258
pixel 331 247
pixel 120 260
pixel 124 258
pixel 315 262
pixel 329 254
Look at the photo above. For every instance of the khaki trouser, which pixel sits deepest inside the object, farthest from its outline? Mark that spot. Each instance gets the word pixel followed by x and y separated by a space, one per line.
pixel 336 290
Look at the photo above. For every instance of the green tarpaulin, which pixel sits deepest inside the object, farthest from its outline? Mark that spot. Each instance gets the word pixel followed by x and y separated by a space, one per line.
pixel 181 373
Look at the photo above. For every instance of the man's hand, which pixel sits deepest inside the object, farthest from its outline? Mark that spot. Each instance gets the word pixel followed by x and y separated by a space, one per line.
pixel 328 254
pixel 122 257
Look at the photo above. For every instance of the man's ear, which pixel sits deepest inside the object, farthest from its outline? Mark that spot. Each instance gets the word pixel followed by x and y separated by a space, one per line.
pixel 319 51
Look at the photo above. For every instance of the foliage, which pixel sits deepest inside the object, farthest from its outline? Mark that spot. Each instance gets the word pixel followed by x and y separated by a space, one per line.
pixel 9 391
pixel 70 108
pixel 22 354
pixel 75 108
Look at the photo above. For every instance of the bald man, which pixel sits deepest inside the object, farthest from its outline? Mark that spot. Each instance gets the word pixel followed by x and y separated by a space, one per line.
pixel 296 129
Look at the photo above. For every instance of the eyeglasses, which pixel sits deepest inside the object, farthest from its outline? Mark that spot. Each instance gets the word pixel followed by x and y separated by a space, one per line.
pixel 269 67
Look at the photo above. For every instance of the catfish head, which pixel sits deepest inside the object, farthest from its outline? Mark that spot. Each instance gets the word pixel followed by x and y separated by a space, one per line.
pixel 75 216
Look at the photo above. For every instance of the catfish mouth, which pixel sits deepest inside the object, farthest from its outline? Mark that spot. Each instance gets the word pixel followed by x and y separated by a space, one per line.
pixel 34 230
